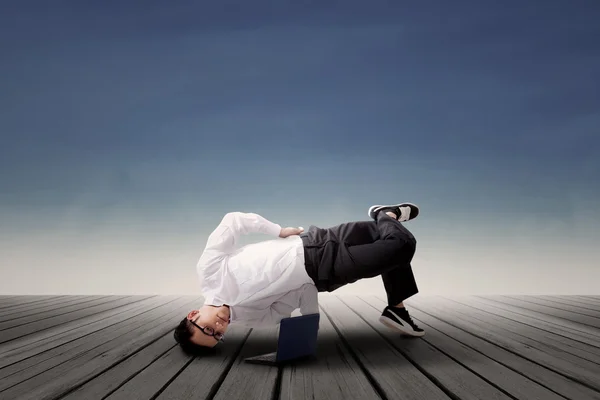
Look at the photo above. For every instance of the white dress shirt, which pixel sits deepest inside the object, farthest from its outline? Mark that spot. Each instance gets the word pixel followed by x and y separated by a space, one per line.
pixel 262 283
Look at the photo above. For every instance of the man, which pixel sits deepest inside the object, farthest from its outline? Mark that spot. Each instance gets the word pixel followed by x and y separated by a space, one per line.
pixel 262 283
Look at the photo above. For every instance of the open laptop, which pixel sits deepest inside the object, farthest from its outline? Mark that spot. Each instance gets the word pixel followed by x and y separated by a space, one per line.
pixel 297 340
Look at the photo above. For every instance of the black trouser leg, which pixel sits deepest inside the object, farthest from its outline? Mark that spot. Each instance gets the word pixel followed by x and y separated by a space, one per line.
pixel 390 245
pixel 359 250
pixel 400 284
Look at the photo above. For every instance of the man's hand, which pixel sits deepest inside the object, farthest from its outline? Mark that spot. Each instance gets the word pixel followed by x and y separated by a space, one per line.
pixel 285 232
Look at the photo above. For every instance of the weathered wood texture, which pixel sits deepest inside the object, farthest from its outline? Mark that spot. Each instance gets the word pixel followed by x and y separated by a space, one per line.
pixel 475 347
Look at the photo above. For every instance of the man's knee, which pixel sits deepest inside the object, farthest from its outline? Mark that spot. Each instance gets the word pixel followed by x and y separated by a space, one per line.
pixel 407 246
pixel 411 244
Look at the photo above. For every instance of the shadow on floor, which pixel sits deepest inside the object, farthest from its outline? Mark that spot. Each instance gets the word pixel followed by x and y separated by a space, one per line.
pixel 368 345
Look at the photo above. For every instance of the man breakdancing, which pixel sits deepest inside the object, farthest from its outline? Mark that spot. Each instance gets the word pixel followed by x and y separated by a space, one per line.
pixel 262 283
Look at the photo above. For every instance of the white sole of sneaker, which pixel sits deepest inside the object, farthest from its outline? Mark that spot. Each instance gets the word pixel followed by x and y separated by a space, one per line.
pixel 394 325
pixel 373 208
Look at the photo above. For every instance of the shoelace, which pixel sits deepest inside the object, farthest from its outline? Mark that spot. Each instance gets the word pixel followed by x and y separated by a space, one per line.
pixel 410 321
pixel 404 214
pixel 406 317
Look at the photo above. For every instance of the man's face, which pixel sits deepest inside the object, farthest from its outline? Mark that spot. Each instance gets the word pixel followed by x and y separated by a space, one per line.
pixel 214 320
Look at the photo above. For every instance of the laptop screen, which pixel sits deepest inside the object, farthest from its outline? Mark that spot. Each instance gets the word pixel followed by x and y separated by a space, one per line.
pixel 298 337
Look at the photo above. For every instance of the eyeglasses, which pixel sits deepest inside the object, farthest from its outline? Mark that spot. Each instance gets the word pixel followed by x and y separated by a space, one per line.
pixel 207 330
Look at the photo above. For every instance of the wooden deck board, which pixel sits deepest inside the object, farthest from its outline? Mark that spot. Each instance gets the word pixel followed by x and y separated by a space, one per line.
pixel 19 301
pixel 248 381
pixel 395 376
pixel 561 305
pixel 34 326
pixel 202 378
pixel 122 347
pixel 571 300
pixel 25 309
pixel 34 366
pixel 47 306
pixel 552 358
pixel 527 334
pixel 505 356
pixel 530 304
pixel 586 299
pixel 495 309
pixel 535 316
pixel 125 372
pixel 18 350
pixel 335 374
pixel 54 311
pixel 76 371
pixel 452 376
pixel 486 367
pixel 166 360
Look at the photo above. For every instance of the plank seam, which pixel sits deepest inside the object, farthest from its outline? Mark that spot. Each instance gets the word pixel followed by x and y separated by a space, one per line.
pixel 555 306
pixel 559 309
pixel 80 384
pixel 22 304
pixel 124 324
pixel 162 389
pixel 520 322
pixel 435 347
pixel 433 379
pixel 360 364
pixel 565 348
pixel 510 351
pixel 217 385
pixel 584 306
pixel 487 356
pixel 77 319
pixel 276 395
pixel 501 303
pixel 34 312
pixel 68 312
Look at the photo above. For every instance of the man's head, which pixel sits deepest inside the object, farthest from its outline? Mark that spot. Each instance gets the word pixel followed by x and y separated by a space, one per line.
pixel 202 329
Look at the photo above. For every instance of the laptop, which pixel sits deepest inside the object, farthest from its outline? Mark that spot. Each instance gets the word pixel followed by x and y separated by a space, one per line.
pixel 297 340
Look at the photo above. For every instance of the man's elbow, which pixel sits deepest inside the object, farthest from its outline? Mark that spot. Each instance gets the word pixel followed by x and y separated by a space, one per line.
pixel 235 217
pixel 231 216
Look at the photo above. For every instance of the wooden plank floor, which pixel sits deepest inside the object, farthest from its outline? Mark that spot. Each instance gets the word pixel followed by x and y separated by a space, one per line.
pixel 475 347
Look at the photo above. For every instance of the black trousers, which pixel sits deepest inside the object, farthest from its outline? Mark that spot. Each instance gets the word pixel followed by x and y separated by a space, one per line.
pixel 348 252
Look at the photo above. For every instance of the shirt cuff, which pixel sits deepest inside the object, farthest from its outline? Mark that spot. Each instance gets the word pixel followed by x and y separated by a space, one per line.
pixel 209 301
pixel 274 229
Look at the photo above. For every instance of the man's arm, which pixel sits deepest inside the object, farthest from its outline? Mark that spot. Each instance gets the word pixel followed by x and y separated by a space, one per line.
pixel 270 315
pixel 282 307
pixel 225 237
pixel 305 298
pixel 309 300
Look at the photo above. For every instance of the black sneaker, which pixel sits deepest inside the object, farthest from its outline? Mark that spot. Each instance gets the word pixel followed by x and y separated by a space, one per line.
pixel 404 211
pixel 399 319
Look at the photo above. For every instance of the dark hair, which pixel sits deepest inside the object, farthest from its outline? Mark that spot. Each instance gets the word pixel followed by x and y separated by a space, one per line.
pixel 183 333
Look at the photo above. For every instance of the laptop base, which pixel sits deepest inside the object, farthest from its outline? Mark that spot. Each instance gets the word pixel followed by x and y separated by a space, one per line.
pixel 264 359
pixel 271 359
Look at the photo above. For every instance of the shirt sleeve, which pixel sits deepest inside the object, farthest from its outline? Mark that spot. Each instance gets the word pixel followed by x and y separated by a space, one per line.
pixel 253 317
pixel 309 300
pixel 305 298
pixel 225 237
